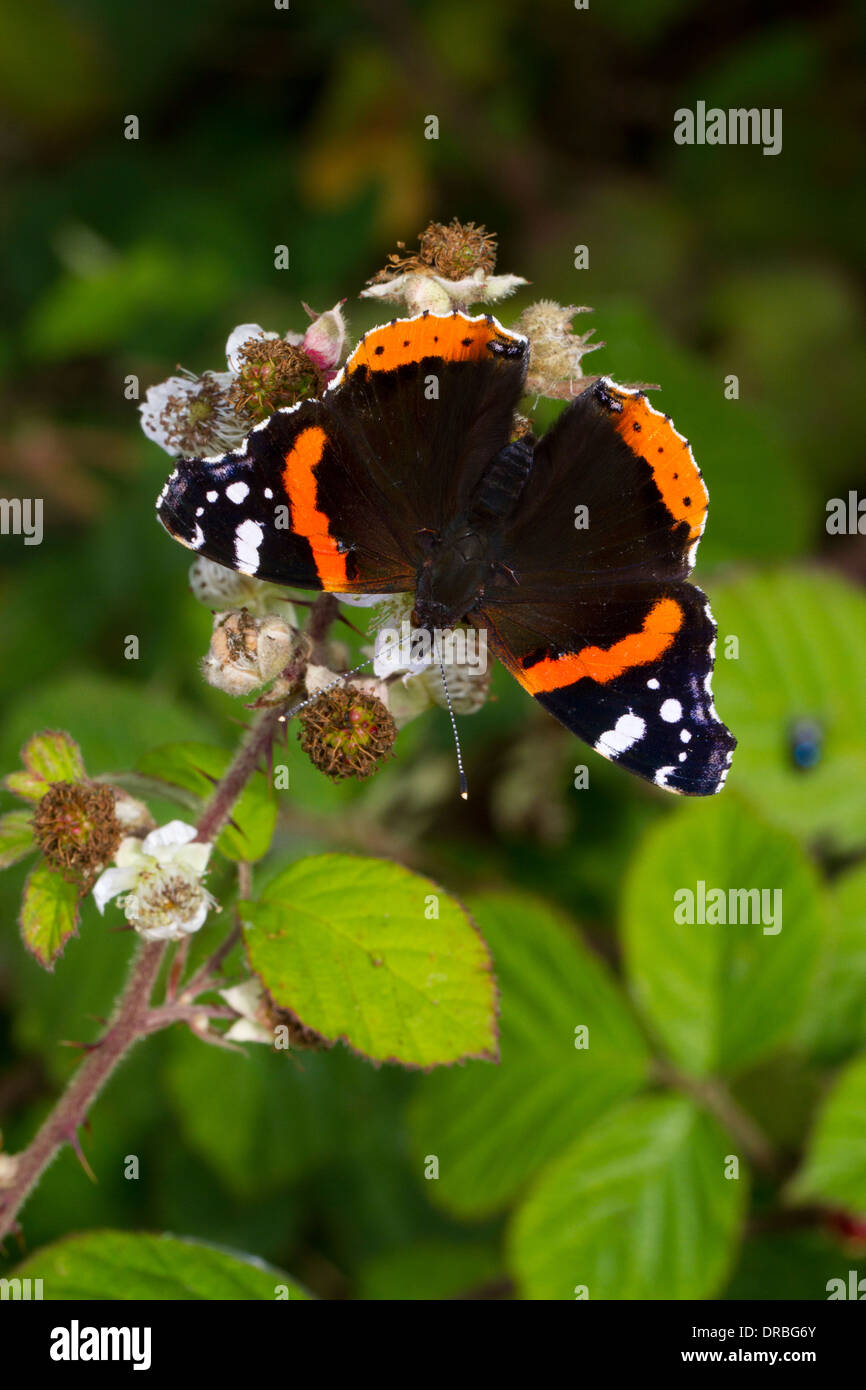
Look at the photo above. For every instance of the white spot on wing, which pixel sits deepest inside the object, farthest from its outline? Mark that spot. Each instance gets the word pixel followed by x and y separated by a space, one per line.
pixel 671 711
pixel 248 537
pixel 237 492
pixel 629 728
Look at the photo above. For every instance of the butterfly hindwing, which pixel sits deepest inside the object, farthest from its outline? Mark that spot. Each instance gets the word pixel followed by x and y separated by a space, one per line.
pixel 636 687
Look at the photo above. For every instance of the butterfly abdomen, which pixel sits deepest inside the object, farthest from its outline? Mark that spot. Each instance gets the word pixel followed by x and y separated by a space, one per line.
pixel 502 483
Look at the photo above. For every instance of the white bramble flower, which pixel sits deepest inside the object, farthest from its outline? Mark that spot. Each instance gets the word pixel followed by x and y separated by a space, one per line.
pixel 197 416
pixel 158 882
pixel 191 415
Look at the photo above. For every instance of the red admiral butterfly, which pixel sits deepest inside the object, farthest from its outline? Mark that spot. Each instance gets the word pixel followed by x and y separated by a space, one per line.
pixel 403 477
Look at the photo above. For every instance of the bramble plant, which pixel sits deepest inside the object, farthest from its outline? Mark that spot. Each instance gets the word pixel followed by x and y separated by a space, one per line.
pixel 340 948
pixel 613 1100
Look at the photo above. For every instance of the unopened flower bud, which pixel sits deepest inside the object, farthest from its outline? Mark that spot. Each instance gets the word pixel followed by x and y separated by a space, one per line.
pixel 222 589
pixel 133 816
pixel 326 338
pixel 555 353
pixel 246 653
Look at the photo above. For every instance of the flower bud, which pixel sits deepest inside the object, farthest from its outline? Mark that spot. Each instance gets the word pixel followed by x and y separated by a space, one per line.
pixel 221 589
pixel 325 339
pixel 555 353
pixel 246 653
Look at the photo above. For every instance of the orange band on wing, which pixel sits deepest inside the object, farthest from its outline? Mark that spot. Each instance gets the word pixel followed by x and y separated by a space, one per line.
pixel 601 664
pixel 299 480
pixel 653 438
pixel 453 337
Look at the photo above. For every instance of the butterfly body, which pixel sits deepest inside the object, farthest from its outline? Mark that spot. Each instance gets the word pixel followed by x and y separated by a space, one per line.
pixel 571 552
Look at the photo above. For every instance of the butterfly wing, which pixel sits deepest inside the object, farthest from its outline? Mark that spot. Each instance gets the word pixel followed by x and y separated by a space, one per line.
pixel 333 493
pixel 599 623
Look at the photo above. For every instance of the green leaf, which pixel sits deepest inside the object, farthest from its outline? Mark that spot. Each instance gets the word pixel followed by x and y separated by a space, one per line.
pixel 345 943
pixel 16 837
pixel 47 757
pixel 720 996
pixel 191 766
pixel 638 1208
pixel 834 1021
pixel 491 1131
pixel 802 656
pixel 49 913
pixel 834 1169
pixel 116 1266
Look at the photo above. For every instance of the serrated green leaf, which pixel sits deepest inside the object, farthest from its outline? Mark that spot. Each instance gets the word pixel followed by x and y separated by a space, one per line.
pixel 721 996
pixel 345 943
pixel 639 1208
pixel 49 913
pixel 118 1265
pixel 492 1131
pixel 16 837
pixel 802 656
pixel 834 1020
pixel 834 1168
pixel 191 765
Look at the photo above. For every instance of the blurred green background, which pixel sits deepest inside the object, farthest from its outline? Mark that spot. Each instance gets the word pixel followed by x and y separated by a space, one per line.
pixel 305 127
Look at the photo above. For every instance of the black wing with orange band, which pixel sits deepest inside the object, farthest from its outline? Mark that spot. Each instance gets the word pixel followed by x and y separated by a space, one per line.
pixel 332 493
pixel 600 624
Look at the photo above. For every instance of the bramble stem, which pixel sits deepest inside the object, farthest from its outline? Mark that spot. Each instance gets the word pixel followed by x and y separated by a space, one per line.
pixel 133 1017
pixel 71 1110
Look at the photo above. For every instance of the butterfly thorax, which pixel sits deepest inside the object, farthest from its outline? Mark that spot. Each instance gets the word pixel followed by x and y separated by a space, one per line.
pixel 458 565
pixel 452 575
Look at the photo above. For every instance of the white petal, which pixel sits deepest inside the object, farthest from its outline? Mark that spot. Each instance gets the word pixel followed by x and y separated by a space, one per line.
pixel 245 1031
pixel 155 402
pixel 112 882
pixel 193 857
pixel 193 923
pixel 243 998
pixel 170 933
pixel 176 832
pixel 128 854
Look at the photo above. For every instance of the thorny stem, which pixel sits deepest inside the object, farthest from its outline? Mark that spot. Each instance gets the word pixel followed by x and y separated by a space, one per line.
pixel 134 1018
pixel 71 1110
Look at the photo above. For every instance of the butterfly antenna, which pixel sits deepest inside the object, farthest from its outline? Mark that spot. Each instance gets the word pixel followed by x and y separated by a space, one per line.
pixel 464 789
pixel 290 713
